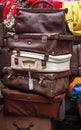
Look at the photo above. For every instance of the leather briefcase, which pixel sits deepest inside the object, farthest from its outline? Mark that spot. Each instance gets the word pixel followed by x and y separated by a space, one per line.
pixel 47 84
pixel 9 122
pixel 40 62
pixel 29 104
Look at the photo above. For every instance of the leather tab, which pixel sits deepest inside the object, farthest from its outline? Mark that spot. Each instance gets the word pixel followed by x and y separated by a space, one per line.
pixel 46 56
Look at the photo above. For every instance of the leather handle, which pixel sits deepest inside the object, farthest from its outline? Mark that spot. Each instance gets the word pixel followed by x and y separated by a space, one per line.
pixel 41 1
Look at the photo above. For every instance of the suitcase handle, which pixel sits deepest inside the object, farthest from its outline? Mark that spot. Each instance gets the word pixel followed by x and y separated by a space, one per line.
pixel 50 5
pixel 29 64
pixel 42 1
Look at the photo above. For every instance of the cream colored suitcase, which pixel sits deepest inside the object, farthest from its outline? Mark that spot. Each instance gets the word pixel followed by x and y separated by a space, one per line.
pixel 39 62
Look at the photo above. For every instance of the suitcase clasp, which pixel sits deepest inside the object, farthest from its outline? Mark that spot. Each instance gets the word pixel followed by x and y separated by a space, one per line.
pixel 44 38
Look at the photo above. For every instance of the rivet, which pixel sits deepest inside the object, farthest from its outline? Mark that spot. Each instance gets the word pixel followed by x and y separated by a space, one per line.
pixel 29 43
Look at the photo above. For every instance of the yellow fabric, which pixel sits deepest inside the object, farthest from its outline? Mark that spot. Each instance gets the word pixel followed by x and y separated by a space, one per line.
pixel 73 17
pixel 73 83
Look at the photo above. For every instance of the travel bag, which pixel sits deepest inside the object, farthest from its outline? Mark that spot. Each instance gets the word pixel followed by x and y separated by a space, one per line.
pixel 52 44
pixel 1 12
pixel 40 30
pixel 29 104
pixel 9 122
pixel 74 61
pixel 47 84
pixel 40 62
pixel 5 59
pixel 40 20
pixel 2 27
pixel 79 59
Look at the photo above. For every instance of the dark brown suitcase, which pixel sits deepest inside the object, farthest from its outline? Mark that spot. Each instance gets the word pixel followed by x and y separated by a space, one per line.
pixel 1 12
pixel 2 27
pixel 79 55
pixel 79 59
pixel 53 44
pixel 74 61
pixel 29 104
pixel 47 84
pixel 5 59
pixel 8 122
pixel 79 71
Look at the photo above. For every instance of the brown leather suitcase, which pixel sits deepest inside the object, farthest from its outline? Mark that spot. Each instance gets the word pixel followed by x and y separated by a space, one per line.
pixel 2 27
pixel 29 104
pixel 1 12
pixel 74 61
pixel 47 84
pixel 53 44
pixel 79 59
pixel 5 59
pixel 79 55
pixel 8 122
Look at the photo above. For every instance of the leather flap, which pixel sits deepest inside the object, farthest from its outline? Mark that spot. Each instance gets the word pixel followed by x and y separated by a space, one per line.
pixel 34 98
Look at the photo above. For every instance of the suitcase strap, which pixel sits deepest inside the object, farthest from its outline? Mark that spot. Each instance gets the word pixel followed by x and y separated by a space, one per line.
pixel 46 56
pixel 43 37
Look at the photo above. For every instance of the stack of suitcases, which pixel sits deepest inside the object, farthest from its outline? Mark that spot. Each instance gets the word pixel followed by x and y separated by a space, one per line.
pixel 36 82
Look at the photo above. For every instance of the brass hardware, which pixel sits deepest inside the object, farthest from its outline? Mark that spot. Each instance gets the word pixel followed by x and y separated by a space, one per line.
pixel 10 74
pixel 41 80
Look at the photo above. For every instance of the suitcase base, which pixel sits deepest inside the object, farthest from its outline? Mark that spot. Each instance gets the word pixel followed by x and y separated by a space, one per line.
pixel 28 104
pixel 24 122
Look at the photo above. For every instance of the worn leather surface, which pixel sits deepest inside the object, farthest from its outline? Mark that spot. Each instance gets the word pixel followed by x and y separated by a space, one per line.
pixel 19 103
pixel 41 43
pixel 46 84
pixel 1 12
pixel 40 21
pixel 5 58
pixel 74 61
pixel 9 122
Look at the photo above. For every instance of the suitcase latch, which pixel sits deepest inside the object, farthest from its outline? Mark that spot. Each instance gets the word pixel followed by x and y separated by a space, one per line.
pixel 44 38
pixel 15 37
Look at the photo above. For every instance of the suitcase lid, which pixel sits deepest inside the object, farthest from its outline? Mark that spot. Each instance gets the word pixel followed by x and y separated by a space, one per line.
pixel 59 58
pixel 29 97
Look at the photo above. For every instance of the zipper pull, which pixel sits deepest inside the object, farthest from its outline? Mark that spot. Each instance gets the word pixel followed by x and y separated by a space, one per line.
pixel 30 81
